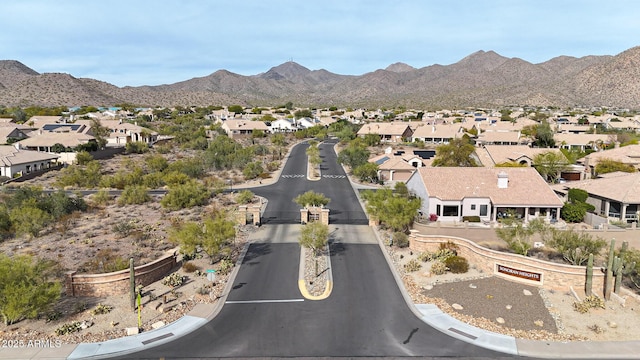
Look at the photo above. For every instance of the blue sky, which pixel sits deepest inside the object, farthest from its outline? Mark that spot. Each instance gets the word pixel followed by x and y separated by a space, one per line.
pixel 152 42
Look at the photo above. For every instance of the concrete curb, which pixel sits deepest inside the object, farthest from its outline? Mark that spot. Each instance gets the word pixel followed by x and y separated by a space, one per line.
pixel 301 281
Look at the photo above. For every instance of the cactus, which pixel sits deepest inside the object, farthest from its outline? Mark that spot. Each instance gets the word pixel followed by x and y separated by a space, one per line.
pixel 621 267
pixel 608 281
pixel 589 283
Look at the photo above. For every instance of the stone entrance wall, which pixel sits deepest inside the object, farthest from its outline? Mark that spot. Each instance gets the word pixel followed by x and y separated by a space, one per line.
pixel 552 275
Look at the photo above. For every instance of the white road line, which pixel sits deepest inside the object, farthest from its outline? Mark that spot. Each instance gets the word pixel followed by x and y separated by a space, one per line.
pixel 262 301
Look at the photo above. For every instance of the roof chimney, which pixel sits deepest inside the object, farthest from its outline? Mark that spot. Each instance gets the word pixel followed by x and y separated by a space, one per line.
pixel 503 180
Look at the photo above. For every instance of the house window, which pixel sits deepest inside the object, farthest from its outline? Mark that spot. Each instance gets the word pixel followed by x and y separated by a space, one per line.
pixel 483 210
pixel 438 212
pixel 450 210
pixel 473 206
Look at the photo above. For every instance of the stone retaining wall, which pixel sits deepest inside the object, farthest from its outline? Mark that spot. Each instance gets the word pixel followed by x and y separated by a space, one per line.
pixel 117 283
pixel 552 275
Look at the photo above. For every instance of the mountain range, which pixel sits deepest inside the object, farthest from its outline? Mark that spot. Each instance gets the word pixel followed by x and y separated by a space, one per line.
pixel 481 79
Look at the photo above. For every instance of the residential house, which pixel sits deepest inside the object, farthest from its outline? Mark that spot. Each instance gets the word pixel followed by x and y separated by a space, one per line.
pixel 626 154
pixel 283 125
pixel 490 155
pixel 490 193
pixel 390 132
pixel 437 134
pixel 45 141
pixel 37 121
pixel 615 196
pixel 501 138
pixel 396 166
pixel 10 134
pixel 17 161
pixel 122 133
pixel 240 127
pixel 583 142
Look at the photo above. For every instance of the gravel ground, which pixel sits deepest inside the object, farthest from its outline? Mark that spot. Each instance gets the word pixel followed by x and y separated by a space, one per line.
pixel 520 306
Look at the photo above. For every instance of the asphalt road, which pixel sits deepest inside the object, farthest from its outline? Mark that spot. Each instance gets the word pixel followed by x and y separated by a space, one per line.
pixel 265 314
pixel 344 207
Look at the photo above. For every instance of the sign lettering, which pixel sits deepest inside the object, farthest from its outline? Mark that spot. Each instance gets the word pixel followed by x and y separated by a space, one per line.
pixel 519 273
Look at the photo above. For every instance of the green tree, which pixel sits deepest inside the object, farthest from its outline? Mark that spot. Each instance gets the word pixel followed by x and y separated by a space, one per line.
pixel 372 139
pixel 58 148
pixel 83 158
pixel 517 235
pixel 29 219
pixel 544 136
pixel 217 236
pixel 575 247
pixel 314 236
pixel 395 210
pixel 188 236
pixel 311 198
pixel 302 113
pixel 253 170
pixel 354 154
pixel 136 147
pixel 213 236
pixel 573 213
pixel 550 164
pixel 457 153
pixel 238 109
pixel 156 162
pixel 605 166
pixel 244 197
pixel 367 172
pixel 26 287
pixel 99 132
pixel 186 195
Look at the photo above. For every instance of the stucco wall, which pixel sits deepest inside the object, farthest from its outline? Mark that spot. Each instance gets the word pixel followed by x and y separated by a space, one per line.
pixel 117 283
pixel 553 275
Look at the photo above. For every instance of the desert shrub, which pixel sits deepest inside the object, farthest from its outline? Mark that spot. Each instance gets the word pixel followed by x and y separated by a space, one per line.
pixel 101 198
pixel 425 256
pixel 172 178
pixel 156 163
pixel 136 147
pixel 252 170
pixel 412 266
pixel 101 309
pixel 457 264
pixel 124 228
pixel 104 261
pixel 173 280
pixel 185 196
pixel 471 219
pixel 83 158
pixel 69 328
pixel 27 288
pixel 573 213
pixel 449 245
pixel 438 268
pixel 189 267
pixel 400 239
pixel 443 254
pixel 225 266
pixel 134 195
pixel 273 165
pixel 153 180
pixel 588 303
pixel 244 197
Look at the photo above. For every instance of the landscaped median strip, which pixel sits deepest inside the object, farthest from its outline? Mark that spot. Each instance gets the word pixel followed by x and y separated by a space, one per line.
pixel 302 283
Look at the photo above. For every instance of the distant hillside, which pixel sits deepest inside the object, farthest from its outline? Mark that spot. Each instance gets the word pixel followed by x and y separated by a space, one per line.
pixel 483 78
